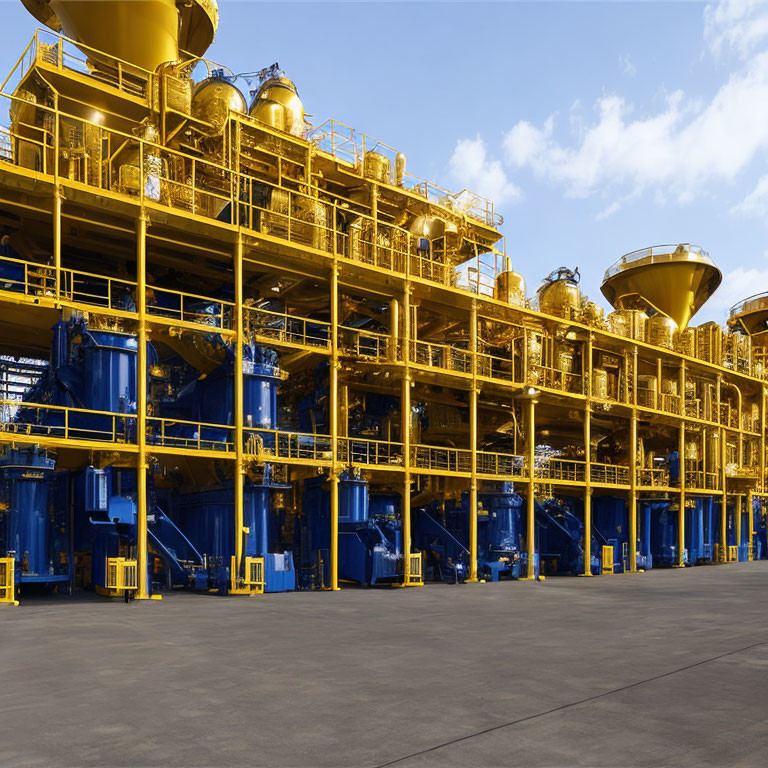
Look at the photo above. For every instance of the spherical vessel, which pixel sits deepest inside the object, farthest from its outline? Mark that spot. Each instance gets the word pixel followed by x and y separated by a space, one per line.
pixel 214 98
pixel 510 287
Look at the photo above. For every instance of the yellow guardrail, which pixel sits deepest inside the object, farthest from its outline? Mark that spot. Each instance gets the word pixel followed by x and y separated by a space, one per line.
pixel 8 580
pixel 288 328
pixel 121 574
pixel 204 437
pixel 254 574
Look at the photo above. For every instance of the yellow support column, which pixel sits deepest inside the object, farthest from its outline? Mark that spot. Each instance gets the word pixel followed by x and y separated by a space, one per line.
pixel 238 572
pixel 334 419
pixel 57 197
pixel 473 448
pixel 587 489
pixel 724 504
pixel 738 509
pixel 405 432
pixel 681 511
pixel 633 492
pixel 141 397
pixel 531 501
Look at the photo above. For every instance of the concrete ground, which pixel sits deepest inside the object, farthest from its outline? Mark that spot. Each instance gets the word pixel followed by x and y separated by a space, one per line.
pixel 666 668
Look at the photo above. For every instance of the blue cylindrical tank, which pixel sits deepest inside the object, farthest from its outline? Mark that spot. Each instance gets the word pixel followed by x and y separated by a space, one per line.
pixel 28 524
pixel 353 499
pixel 109 378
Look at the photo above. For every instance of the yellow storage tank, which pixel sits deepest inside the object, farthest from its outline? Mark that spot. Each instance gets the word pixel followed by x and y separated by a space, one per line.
pixel 600 383
pixel 214 98
pixel 560 295
pixel 277 103
pixel 510 287
pixel 661 331
pixel 376 166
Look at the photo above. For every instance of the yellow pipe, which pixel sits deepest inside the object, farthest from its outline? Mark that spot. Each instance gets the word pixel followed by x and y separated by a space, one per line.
pixel 57 238
pixel 633 493
pixel 737 513
pixel 141 392
pixel 681 511
pixel 405 435
pixel 724 504
pixel 394 329
pixel 473 447
pixel 530 507
pixel 334 418
pixel 239 419
pixel 587 490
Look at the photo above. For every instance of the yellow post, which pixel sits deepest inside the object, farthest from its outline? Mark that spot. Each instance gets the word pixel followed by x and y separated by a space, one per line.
pixel 405 434
pixel 530 501
pixel 633 493
pixel 750 524
pixel 724 503
pixel 587 490
pixel 141 397
pixel 334 419
pixel 737 512
pixel 473 448
pixel 681 511
pixel 57 239
pixel 239 416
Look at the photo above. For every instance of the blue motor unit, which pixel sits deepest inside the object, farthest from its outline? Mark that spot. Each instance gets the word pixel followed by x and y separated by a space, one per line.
pixel 208 517
pixel 370 533
pixel 32 531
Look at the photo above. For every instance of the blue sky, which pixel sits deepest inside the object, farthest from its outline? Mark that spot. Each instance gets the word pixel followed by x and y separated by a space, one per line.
pixel 598 127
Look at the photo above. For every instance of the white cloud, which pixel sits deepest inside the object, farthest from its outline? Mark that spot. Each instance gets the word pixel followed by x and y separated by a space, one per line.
pixel 626 65
pixel 737 25
pixel 472 167
pixel 737 285
pixel 684 146
pixel 756 202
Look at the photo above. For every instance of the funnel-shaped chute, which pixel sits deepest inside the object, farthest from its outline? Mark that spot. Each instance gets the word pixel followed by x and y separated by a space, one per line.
pixel 143 32
pixel 750 315
pixel 675 280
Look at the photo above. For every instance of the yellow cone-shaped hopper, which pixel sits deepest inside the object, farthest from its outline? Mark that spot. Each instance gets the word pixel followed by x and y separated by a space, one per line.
pixel 675 280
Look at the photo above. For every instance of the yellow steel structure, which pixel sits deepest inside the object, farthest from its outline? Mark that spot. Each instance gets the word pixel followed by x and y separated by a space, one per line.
pixel 8 580
pixel 112 155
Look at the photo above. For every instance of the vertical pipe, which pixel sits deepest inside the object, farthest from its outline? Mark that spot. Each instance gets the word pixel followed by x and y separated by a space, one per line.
pixel 334 419
pixel 239 341
pixel 737 514
pixel 723 505
pixel 633 493
pixel 57 239
pixel 405 432
pixel 530 501
pixel 473 446
pixel 394 329
pixel 141 402
pixel 681 511
pixel 587 490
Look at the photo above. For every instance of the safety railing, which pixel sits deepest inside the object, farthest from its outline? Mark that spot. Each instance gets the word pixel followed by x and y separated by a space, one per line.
pixel 61 422
pixel 495 367
pixel 287 328
pixel 433 269
pixel 443 356
pixel 189 308
pixel 652 477
pixel 357 450
pixel 500 464
pixel 438 459
pixel 609 474
pixel 554 378
pixel 284 445
pixel 121 574
pixel 702 480
pixel 365 344
pixel 659 254
pixel 189 435
pixel 560 469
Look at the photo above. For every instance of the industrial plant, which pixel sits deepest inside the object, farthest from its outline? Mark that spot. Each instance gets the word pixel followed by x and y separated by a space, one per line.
pixel 241 353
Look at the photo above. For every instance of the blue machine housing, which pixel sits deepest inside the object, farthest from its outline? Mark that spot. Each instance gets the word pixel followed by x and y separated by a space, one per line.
pixel 208 517
pixel 700 529
pixel 370 532
pixel 560 537
pixel 442 531
pixel 32 533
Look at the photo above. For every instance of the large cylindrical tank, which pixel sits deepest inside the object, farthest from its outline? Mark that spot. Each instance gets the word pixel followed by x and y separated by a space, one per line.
pixel 662 331
pixel 510 287
pixel 109 377
pixel 619 323
pixel 593 314
pixel 709 343
pixel 560 297
pixel 600 383
pixel 214 98
pixel 686 341
pixel 28 533
pixel 353 499
pixel 277 104
pixel 376 166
